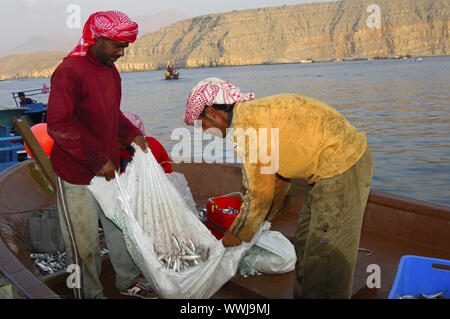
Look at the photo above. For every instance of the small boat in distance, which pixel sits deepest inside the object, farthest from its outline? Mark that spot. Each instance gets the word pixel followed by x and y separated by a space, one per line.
pixel 174 76
pixel 171 74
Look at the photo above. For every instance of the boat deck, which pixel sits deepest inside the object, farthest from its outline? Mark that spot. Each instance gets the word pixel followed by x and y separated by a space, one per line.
pixel 386 253
pixel 393 227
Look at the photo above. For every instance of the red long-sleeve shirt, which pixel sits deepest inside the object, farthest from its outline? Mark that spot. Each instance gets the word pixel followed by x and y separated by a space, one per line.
pixel 84 118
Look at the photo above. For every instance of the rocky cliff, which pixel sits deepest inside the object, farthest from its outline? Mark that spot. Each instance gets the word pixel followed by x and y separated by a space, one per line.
pixel 32 65
pixel 288 34
pixel 317 31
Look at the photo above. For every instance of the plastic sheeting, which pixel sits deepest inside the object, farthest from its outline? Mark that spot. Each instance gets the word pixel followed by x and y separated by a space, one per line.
pixel 272 253
pixel 148 208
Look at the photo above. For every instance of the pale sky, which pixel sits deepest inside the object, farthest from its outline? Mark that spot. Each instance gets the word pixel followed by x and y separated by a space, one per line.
pixel 22 19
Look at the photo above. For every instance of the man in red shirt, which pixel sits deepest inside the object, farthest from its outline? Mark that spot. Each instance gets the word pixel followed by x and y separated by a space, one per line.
pixel 85 122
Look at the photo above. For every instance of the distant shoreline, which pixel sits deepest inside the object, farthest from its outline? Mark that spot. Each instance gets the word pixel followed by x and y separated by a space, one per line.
pixel 306 61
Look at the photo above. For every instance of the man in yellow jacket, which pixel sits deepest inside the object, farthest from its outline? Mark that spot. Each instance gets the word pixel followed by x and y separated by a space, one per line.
pixel 306 139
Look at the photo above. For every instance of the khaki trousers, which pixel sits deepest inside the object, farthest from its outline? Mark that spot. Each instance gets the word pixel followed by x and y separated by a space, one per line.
pixel 79 213
pixel 328 232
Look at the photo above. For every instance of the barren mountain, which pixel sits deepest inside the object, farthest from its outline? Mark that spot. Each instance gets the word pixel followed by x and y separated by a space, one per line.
pixel 32 65
pixel 288 34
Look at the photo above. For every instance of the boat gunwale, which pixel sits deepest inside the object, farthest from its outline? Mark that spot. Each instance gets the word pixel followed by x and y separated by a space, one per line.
pixel 409 204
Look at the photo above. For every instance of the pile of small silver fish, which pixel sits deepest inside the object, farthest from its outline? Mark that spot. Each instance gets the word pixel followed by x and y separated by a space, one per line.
pixel 438 295
pixel 48 264
pixel 229 210
pixel 185 255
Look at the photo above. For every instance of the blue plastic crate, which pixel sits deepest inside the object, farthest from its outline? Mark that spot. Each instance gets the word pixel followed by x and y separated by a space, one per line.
pixel 417 274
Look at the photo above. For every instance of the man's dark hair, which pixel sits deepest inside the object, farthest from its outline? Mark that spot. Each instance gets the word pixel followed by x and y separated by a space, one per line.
pixel 21 94
pixel 221 107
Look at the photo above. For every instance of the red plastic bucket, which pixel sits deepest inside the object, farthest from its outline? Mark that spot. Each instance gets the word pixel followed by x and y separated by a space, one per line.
pixel 219 222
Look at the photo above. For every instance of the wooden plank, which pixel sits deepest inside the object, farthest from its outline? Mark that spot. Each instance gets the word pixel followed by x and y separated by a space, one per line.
pixel 35 148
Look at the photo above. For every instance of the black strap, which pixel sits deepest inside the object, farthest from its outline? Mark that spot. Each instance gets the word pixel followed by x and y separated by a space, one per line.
pixel 284 179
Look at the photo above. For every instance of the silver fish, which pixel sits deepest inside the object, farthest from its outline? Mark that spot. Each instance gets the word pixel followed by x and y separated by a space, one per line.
pixel 50 263
pixel 185 255
pixel 190 251
pixel 438 295
pixel 177 243
pixel 190 257
pixel 229 211
pixel 183 250
pixel 104 252
pixel 38 256
pixel 202 214
pixel 192 246
pixel 44 267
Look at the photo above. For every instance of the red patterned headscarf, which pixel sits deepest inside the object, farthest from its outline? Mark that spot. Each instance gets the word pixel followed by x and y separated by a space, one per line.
pixel 112 25
pixel 136 120
pixel 212 91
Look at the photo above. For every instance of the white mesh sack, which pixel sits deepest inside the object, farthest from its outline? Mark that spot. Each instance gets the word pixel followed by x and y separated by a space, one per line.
pixel 179 181
pixel 149 210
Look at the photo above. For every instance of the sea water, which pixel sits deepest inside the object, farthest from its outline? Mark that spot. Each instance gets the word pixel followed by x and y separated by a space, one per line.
pixel 402 105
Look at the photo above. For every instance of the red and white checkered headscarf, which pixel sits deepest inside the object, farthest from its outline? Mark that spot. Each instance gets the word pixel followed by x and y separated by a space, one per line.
pixel 136 120
pixel 212 91
pixel 112 25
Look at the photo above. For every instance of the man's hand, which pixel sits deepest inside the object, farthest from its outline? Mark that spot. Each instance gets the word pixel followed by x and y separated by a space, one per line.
pixel 108 171
pixel 123 144
pixel 141 142
pixel 230 240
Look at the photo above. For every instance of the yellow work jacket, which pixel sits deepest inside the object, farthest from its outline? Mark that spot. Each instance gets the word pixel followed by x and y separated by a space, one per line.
pixel 298 138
